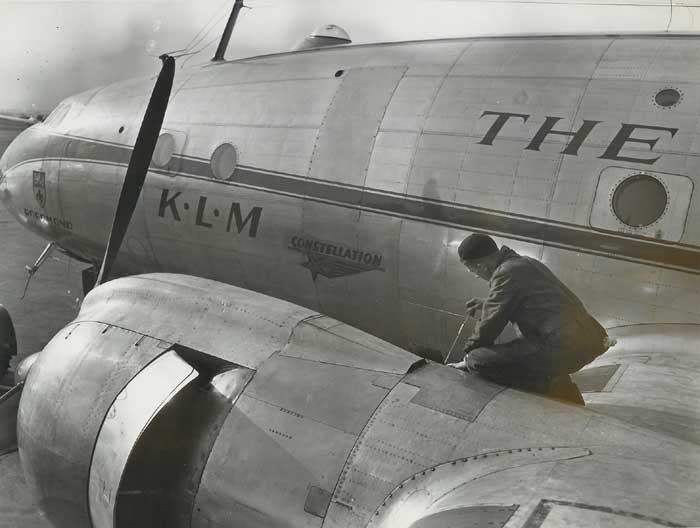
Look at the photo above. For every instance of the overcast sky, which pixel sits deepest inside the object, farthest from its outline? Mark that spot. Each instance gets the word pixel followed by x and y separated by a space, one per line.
pixel 52 49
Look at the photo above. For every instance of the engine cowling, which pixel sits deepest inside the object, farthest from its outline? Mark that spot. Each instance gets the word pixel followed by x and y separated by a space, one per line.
pixel 128 401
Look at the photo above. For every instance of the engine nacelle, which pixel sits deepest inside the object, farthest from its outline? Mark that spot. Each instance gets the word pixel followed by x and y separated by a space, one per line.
pixel 139 402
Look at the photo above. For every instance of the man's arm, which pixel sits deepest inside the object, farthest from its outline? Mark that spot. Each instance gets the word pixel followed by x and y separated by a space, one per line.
pixel 494 313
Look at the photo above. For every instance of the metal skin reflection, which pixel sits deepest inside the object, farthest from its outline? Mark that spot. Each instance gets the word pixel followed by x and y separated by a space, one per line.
pixel 337 414
pixel 490 170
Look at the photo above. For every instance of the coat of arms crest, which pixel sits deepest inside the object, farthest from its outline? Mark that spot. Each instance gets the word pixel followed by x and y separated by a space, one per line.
pixel 40 187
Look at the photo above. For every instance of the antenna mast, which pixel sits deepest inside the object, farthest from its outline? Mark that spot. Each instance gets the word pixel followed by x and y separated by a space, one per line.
pixel 223 43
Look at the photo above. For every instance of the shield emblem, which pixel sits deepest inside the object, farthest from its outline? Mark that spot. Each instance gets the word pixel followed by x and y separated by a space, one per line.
pixel 40 187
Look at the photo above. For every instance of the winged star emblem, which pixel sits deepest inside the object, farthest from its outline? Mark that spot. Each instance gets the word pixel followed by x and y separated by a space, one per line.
pixel 333 260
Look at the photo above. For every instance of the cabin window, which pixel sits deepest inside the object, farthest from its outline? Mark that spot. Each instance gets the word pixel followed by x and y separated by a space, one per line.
pixel 640 200
pixel 668 98
pixel 165 148
pixel 646 203
pixel 223 161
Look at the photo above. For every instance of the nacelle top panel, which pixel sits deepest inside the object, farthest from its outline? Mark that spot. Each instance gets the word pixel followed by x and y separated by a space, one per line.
pixel 235 324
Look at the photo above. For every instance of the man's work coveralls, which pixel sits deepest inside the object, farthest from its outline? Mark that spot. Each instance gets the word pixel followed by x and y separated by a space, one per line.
pixel 558 335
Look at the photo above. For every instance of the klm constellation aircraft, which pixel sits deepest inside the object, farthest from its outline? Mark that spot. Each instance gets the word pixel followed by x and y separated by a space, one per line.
pixel 298 218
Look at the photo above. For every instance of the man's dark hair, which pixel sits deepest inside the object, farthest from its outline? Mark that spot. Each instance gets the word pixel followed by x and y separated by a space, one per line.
pixel 476 246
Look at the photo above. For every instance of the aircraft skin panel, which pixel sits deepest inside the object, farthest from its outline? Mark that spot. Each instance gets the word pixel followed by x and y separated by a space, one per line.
pixel 283 149
pixel 409 106
pixel 668 402
pixel 410 438
pixel 371 353
pixel 539 480
pixel 422 58
pixel 391 160
pixel 568 57
pixel 302 452
pixel 346 138
pixel 251 345
pixel 313 377
pixel 279 104
pixel 363 246
pixel 649 59
pixel 423 283
pixel 656 384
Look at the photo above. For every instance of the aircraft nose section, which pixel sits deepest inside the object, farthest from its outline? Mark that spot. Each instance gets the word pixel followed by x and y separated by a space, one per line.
pixel 15 170
pixel 29 185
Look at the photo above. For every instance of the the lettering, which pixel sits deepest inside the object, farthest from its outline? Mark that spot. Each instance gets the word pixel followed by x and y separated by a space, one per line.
pixel 625 136
pixel 253 217
pixel 168 203
pixel 572 147
pixel 46 219
pixel 501 120
pixel 578 137
pixel 201 206
pixel 306 245
pixel 205 216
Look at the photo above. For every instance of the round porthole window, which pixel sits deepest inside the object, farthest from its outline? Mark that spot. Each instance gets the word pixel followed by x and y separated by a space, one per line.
pixel 224 161
pixel 668 97
pixel 639 200
pixel 165 148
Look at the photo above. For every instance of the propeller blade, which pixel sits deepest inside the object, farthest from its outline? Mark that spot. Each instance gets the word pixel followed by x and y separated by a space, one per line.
pixel 138 164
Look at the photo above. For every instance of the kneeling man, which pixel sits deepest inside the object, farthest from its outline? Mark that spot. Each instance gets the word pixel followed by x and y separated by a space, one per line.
pixel 558 335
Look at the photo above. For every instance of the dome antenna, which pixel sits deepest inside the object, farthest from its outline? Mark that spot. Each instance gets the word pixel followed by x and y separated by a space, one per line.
pixel 326 35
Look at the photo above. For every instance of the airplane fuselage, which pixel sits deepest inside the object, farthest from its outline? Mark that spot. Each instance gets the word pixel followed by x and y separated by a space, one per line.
pixel 343 179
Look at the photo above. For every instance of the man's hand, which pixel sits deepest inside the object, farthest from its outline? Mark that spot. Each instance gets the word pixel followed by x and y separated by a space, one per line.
pixel 474 306
pixel 462 365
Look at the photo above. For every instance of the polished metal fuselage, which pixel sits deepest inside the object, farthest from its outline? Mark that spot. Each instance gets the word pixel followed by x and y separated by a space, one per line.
pixel 360 169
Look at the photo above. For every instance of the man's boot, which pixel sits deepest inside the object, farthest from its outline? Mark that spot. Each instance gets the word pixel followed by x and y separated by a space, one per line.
pixel 563 388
